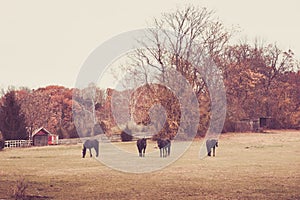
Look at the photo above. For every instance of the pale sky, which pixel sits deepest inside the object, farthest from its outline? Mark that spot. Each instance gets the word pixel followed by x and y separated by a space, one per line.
pixel 46 42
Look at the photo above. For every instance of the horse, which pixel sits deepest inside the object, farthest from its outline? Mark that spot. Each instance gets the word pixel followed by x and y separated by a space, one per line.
pixel 211 144
pixel 141 145
pixel 89 144
pixel 164 147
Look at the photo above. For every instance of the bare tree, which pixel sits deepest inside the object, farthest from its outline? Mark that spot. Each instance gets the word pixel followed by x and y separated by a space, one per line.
pixel 177 41
pixel 176 45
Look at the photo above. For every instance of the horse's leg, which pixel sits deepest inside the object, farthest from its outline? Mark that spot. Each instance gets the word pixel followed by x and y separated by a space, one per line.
pixel 83 152
pixel 90 152
pixel 209 152
pixel 97 152
pixel 167 151
pixel 214 150
pixel 140 151
pixel 144 152
pixel 208 147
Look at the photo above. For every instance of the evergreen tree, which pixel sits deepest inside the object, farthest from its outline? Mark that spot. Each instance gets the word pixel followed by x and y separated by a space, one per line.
pixel 12 122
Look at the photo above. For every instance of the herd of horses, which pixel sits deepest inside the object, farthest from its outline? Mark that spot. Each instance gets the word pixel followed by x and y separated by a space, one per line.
pixel 164 146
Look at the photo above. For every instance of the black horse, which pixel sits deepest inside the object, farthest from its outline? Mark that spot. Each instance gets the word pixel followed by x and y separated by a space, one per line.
pixel 141 145
pixel 164 147
pixel 211 144
pixel 89 144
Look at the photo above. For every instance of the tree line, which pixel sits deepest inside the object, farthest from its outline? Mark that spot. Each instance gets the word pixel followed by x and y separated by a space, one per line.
pixel 261 80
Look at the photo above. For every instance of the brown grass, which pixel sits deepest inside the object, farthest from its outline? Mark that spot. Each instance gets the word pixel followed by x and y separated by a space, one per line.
pixel 246 166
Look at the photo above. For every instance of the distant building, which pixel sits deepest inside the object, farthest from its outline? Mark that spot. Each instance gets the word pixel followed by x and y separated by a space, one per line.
pixel 252 125
pixel 247 125
pixel 42 137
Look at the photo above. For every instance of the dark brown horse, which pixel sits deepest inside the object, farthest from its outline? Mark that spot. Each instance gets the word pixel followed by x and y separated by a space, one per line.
pixel 141 145
pixel 164 147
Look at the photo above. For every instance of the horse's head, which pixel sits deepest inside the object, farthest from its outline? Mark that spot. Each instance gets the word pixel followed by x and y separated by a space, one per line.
pixel 216 143
pixel 144 141
pixel 159 142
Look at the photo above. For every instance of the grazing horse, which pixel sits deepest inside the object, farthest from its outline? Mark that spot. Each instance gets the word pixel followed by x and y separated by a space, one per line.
pixel 211 144
pixel 89 144
pixel 164 147
pixel 141 145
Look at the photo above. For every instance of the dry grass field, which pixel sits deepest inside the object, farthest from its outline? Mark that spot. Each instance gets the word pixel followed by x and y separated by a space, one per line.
pixel 246 166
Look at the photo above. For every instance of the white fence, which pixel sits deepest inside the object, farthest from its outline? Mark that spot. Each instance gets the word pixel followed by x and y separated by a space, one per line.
pixel 17 143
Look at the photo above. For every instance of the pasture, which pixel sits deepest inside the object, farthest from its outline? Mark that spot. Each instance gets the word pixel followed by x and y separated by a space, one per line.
pixel 246 166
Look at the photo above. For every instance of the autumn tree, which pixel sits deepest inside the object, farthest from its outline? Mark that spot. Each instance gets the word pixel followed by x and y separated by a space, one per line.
pixel 87 103
pixel 285 101
pixel 253 77
pixel 12 121
pixel 178 46
pixel 2 141
pixel 49 107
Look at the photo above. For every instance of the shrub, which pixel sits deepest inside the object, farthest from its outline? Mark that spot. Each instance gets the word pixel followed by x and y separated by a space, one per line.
pixel 19 191
pixel 126 135
pixel 1 144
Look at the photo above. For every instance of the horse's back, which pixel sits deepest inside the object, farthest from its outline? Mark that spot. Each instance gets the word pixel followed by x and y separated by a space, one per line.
pixel 91 143
pixel 163 143
pixel 141 143
pixel 211 142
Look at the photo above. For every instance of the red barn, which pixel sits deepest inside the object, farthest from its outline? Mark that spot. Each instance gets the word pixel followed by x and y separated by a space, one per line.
pixel 42 137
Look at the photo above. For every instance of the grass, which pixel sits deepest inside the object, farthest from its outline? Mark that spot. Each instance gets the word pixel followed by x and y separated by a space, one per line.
pixel 246 166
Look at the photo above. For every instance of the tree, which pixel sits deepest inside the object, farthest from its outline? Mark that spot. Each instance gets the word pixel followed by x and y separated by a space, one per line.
pixel 256 81
pixel 175 47
pixel 86 105
pixel 49 107
pixel 12 121
pixel 2 142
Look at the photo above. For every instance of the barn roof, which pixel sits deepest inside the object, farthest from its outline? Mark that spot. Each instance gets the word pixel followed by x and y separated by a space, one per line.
pixel 41 131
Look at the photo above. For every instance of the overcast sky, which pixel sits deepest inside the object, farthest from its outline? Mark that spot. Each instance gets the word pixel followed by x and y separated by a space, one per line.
pixel 45 42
